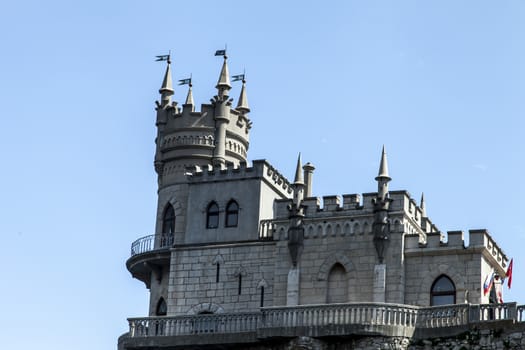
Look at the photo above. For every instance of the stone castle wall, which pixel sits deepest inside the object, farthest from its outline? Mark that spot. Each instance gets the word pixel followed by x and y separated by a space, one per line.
pixel 193 279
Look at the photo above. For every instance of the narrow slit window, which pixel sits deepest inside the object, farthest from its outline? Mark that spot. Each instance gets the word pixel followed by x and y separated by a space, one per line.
pixel 262 296
pixel 240 284
pixel 218 273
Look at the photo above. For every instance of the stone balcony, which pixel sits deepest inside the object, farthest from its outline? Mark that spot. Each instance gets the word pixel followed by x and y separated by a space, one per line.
pixel 317 321
pixel 148 254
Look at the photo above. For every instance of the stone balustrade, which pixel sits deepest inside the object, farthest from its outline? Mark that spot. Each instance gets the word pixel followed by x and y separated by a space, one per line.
pixel 266 228
pixel 328 319
pixel 194 325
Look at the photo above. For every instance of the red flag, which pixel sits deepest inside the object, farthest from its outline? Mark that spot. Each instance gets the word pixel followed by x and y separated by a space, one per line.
pixel 509 273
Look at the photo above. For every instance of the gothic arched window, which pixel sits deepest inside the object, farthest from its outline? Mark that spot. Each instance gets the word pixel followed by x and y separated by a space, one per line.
pixel 168 219
pixel 337 288
pixel 212 215
pixel 443 291
pixel 232 214
pixel 162 308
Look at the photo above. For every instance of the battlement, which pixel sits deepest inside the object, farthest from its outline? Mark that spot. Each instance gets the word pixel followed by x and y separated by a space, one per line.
pixel 479 241
pixel 332 205
pixel 187 117
pixel 260 169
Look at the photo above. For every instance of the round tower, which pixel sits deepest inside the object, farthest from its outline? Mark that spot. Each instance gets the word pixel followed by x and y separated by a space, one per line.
pixel 188 139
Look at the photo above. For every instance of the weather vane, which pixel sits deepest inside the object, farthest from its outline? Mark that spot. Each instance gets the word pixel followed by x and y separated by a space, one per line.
pixel 164 57
pixel 222 52
pixel 240 77
pixel 186 81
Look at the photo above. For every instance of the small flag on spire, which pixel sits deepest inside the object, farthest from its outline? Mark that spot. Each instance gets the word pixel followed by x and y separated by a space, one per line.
pixel 238 77
pixel 220 53
pixel 509 273
pixel 185 81
pixel 163 58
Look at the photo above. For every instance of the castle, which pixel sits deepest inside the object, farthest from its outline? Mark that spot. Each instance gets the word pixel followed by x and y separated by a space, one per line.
pixel 241 255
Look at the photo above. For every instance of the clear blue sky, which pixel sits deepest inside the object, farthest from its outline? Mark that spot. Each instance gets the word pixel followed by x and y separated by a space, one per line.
pixel 440 83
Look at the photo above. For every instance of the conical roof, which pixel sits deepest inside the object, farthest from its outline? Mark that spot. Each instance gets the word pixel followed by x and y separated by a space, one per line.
pixel 167 84
pixel 242 105
pixel 383 167
pixel 422 206
pixel 189 98
pixel 299 171
pixel 224 77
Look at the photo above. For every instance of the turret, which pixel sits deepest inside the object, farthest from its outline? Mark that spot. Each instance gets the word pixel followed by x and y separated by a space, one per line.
pixel 166 90
pixel 298 184
pixel 422 206
pixel 296 209
pixel 223 84
pixel 189 99
pixel 380 225
pixel 164 107
pixel 242 104
pixel 222 106
pixel 383 178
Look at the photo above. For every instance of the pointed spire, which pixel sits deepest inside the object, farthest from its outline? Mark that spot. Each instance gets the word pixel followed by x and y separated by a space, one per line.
pixel 299 172
pixel 383 167
pixel 189 98
pixel 167 84
pixel 224 79
pixel 242 105
pixel 422 206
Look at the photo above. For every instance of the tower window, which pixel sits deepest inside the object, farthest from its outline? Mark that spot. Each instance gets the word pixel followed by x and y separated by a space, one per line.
pixel 168 226
pixel 218 273
pixel 232 214
pixel 443 291
pixel 162 308
pixel 262 296
pixel 168 219
pixel 212 215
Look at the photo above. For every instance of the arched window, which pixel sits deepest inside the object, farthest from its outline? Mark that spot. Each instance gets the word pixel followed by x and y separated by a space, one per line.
pixel 168 220
pixel 212 215
pixel 443 291
pixel 337 285
pixel 162 308
pixel 232 214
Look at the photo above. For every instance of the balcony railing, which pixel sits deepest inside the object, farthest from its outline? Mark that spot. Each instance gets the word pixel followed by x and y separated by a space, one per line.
pixel 329 319
pixel 152 242
pixel 266 228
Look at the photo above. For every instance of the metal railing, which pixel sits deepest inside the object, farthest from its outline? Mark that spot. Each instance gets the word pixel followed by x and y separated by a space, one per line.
pixel 325 316
pixel 152 242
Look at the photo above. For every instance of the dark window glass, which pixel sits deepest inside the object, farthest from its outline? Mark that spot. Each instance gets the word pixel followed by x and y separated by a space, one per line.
pixel 443 292
pixel 168 220
pixel 262 296
pixel 232 214
pixel 218 273
pixel 162 308
pixel 212 216
pixel 240 284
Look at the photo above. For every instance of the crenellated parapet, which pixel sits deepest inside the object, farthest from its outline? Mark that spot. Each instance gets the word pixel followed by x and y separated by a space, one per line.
pixel 353 214
pixel 480 241
pixel 216 135
pixel 260 169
